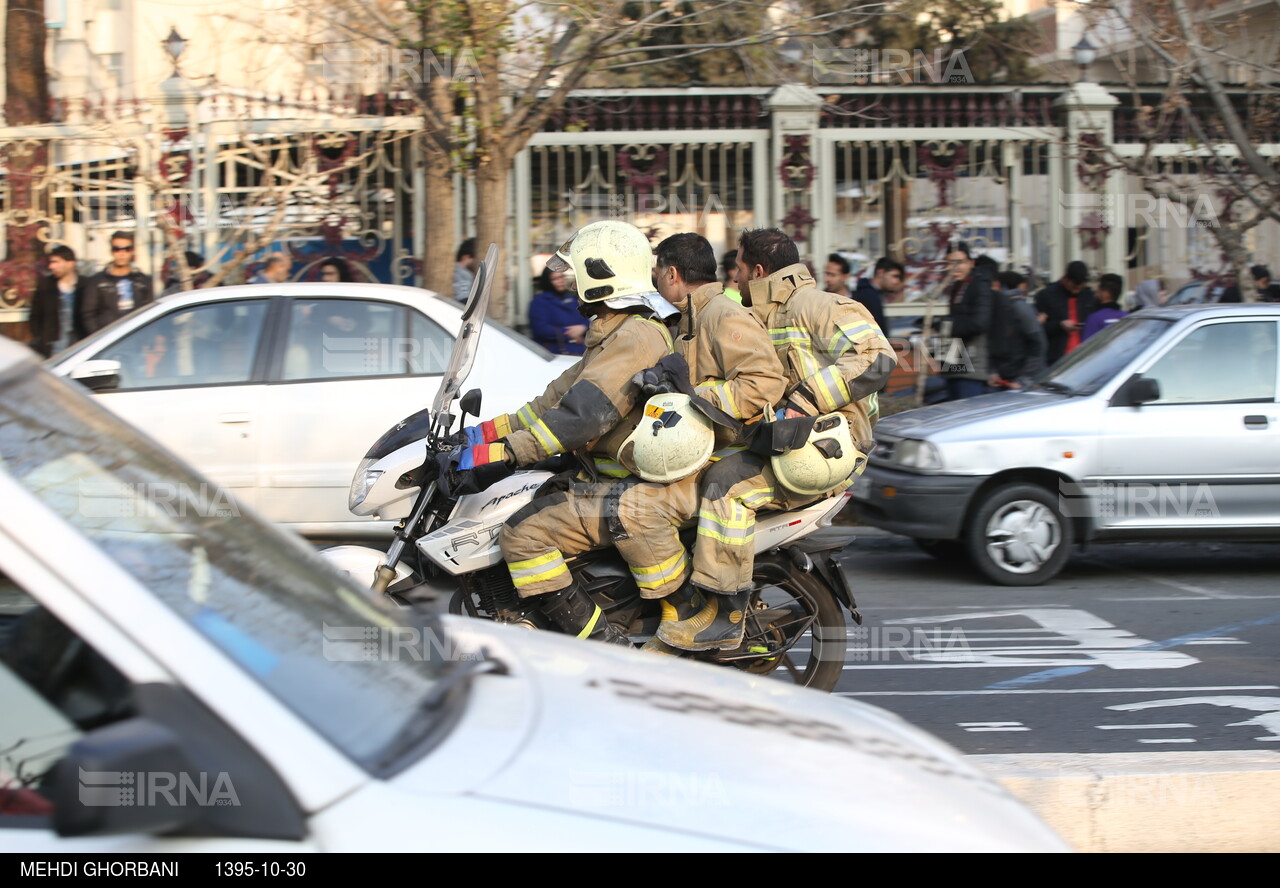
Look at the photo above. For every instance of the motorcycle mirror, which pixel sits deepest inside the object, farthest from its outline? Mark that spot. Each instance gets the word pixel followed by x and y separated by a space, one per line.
pixel 470 403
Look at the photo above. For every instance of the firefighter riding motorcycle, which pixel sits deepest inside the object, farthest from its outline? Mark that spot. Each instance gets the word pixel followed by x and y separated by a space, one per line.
pixel 445 547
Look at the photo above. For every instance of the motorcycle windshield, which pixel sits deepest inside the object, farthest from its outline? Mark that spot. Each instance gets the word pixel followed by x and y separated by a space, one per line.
pixel 412 428
pixel 464 348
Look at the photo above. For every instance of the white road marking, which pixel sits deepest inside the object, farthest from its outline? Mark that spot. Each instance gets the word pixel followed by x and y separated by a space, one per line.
pixel 924 607
pixel 1225 596
pixel 1166 740
pixel 1268 707
pixel 987 724
pixel 1182 587
pixel 1217 641
pixel 964 693
pixel 1142 727
pixel 1025 663
pixel 994 730
pixel 1096 642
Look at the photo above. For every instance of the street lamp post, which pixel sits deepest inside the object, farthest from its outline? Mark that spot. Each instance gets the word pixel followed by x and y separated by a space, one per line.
pixel 1084 53
pixel 174 44
pixel 179 159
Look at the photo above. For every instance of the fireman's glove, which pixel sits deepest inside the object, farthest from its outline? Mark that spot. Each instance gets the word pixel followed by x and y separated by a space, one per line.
pixel 477 468
pixel 651 382
pixel 473 436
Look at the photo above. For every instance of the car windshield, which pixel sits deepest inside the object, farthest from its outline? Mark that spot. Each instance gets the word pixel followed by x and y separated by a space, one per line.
pixel 1101 358
pixel 263 597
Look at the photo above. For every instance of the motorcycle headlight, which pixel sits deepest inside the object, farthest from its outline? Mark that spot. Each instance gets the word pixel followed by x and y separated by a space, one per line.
pixel 917 455
pixel 362 483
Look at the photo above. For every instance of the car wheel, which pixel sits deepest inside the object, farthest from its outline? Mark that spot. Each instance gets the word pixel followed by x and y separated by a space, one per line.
pixel 1018 536
pixel 943 550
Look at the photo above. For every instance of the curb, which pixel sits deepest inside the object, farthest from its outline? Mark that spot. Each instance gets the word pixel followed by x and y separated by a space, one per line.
pixel 1150 802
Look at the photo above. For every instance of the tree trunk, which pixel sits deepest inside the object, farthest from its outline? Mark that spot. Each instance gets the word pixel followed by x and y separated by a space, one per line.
pixel 492 180
pixel 26 102
pixel 441 232
pixel 26 98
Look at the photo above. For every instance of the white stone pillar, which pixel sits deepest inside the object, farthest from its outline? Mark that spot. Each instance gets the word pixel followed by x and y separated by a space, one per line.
pixel 1088 110
pixel 793 111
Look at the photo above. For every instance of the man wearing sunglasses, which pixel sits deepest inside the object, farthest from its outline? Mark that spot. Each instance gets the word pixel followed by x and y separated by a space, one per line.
pixel 118 289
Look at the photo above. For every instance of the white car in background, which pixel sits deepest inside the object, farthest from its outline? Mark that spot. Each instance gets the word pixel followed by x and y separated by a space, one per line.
pixel 174 679
pixel 275 391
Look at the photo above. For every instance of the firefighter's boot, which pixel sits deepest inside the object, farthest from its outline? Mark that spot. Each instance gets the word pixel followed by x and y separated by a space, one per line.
pixel 575 613
pixel 679 605
pixel 719 625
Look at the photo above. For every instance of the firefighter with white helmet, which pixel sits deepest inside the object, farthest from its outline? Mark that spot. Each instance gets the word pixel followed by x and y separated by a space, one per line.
pixel 652 456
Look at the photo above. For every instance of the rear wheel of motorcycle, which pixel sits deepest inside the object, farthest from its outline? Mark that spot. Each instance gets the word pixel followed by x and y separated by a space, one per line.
pixel 821 662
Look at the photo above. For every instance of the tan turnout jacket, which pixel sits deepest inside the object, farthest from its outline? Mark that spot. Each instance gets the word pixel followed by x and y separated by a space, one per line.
pixel 829 345
pixel 731 362
pixel 594 404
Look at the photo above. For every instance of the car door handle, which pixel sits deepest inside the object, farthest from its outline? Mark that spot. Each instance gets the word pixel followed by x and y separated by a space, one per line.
pixel 233 417
pixel 1255 421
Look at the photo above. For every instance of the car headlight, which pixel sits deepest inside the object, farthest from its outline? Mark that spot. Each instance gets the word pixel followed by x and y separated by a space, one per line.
pixel 917 455
pixel 362 483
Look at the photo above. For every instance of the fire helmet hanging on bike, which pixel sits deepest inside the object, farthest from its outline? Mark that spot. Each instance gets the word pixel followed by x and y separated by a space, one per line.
pixel 672 441
pixel 826 459
pixel 612 263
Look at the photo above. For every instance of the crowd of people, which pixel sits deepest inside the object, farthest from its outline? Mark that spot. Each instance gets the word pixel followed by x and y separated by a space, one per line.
pixel 996 336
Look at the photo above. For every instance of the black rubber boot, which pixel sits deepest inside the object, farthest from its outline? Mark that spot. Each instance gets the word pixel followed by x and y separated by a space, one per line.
pixel 575 613
pixel 718 626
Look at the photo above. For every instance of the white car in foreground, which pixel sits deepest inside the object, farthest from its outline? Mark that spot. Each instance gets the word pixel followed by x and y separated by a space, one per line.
pixel 175 679
pixel 275 391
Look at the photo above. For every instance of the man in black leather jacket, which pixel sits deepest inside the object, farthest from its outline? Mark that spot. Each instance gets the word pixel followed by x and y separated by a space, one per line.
pixel 118 289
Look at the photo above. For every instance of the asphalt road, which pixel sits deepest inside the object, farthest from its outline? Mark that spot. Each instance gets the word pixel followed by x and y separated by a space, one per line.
pixel 1135 647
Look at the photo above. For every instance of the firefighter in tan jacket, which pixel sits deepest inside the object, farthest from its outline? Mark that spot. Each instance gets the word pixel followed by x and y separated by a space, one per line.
pixel 731 365
pixel 588 411
pixel 836 360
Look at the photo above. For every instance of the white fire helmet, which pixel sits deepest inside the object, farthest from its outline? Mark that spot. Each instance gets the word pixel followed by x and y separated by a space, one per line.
pixel 828 458
pixel 611 262
pixel 672 441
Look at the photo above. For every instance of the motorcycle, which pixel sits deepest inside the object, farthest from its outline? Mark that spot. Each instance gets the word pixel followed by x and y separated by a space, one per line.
pixel 794 624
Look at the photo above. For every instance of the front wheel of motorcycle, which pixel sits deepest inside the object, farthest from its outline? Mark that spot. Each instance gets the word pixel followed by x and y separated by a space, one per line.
pixel 788 602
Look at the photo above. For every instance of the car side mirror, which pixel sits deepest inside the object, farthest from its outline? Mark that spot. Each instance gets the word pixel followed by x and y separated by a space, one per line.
pixel 98 376
pixel 129 777
pixel 470 403
pixel 1136 391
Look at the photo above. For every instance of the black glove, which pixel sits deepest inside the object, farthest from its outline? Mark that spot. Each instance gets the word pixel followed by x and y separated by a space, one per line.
pixel 478 468
pixel 651 382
